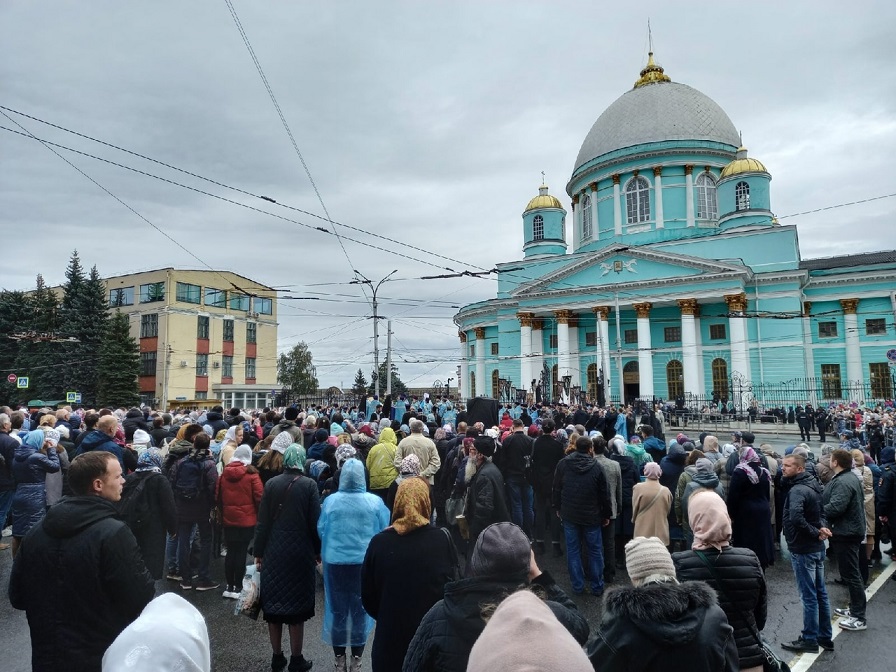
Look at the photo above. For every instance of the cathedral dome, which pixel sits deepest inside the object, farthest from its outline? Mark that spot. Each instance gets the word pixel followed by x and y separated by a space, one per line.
pixel 742 164
pixel 656 110
pixel 543 200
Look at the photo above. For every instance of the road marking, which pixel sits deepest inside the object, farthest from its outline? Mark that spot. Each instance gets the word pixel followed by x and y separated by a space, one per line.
pixel 804 661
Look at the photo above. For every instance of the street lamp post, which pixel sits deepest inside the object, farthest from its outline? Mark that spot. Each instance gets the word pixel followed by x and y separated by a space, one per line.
pixel 376 335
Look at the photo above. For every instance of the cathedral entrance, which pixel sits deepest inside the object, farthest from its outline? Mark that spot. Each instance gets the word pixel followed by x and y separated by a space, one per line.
pixel 631 381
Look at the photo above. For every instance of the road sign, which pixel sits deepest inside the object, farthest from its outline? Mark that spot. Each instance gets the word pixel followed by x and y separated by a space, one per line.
pixel 71 397
pixel 891 355
pixel 12 378
pixel 22 382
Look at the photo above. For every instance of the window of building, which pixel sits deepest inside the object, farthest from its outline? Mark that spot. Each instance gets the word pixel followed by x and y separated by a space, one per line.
pixel 251 332
pixel 637 200
pixel 250 367
pixel 538 228
pixel 152 292
pixel 121 296
pixel 227 366
pixel 590 339
pixel 148 363
pixel 188 293
pixel 707 203
pixel 672 334
pixel 496 391
pixel 593 382
pixel 630 336
pixel 720 378
pixel 472 383
pixel 587 228
pixel 675 379
pixel 831 385
pixel 494 348
pixel 742 196
pixel 827 330
pixel 875 326
pixel 552 341
pixel 215 297
pixel 228 330
pixel 239 302
pixel 201 395
pixel 717 332
pixel 202 323
pixel 201 365
pixel 263 306
pixel 472 350
pixel 881 382
pixel 149 325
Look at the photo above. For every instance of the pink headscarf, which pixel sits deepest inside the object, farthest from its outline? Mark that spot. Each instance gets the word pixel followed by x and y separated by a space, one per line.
pixel 709 521
pixel 653 471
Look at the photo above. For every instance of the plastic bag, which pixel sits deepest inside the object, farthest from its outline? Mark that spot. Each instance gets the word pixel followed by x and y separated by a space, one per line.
pixel 249 601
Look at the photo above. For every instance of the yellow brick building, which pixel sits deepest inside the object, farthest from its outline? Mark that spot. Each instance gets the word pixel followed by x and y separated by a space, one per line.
pixel 203 335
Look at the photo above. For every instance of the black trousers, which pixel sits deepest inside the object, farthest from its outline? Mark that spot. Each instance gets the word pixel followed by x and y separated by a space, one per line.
pixel 237 540
pixel 849 555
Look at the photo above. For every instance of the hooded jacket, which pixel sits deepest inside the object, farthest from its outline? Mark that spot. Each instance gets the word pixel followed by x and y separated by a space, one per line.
pixel 581 493
pixel 97 440
pixel 216 421
pixel 844 507
pixel 133 421
pixel 350 517
pixel 803 515
pixel 663 627
pixel 289 426
pixel 886 485
pixel 32 466
pixel 81 580
pixel 699 480
pixel 380 461
pixel 239 495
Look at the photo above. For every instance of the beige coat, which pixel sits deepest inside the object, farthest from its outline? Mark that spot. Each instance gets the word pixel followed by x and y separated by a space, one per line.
pixel 651 519
pixel 867 479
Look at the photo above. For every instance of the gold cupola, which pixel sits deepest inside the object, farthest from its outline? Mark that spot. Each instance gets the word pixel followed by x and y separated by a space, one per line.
pixel 543 200
pixel 652 73
pixel 742 164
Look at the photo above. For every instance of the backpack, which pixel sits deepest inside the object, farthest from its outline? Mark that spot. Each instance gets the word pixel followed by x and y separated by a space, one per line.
pixel 189 477
pixel 133 508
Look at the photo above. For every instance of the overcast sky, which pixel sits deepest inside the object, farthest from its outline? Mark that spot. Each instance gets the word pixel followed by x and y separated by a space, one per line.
pixel 426 122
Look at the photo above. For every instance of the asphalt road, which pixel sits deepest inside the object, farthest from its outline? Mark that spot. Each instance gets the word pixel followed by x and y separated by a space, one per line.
pixel 239 644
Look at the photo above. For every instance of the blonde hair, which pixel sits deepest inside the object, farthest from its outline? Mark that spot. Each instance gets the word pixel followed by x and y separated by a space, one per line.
pixel 858 457
pixel 49 420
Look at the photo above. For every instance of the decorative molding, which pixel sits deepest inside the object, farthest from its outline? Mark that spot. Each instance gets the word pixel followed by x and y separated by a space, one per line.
pixel 615 177
pixel 688 169
pixel 575 200
pixel 593 186
pixel 601 312
pixel 525 319
pixel 688 306
pixel 538 324
pixel 850 306
pixel 642 309
pixel 635 172
pixel 807 308
pixel 563 316
pixel 480 333
pixel 657 171
pixel 462 335
pixel 737 303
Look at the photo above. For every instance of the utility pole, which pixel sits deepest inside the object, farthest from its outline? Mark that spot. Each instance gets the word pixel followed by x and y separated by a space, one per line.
pixel 388 356
pixel 376 333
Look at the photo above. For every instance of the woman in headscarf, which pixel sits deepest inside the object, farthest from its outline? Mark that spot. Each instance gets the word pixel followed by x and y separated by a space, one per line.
pixel 749 506
pixel 270 464
pixel 651 503
pixel 410 467
pixel 156 514
pixel 286 549
pixel 54 480
pixel 404 573
pixel 349 518
pixel 380 463
pixel 232 439
pixel 736 575
pixel 34 459
pixel 238 498
pixel 637 452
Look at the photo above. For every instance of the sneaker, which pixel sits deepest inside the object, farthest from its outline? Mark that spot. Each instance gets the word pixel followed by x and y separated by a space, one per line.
pixel 278 662
pixel 826 644
pixel 800 645
pixel 852 624
pixel 842 612
pixel 186 586
pixel 206 585
pixel 174 576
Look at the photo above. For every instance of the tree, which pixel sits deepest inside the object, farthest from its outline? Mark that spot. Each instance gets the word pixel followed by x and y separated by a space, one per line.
pixel 13 318
pixel 41 359
pixel 359 389
pixel 398 387
pixel 296 372
pixel 119 365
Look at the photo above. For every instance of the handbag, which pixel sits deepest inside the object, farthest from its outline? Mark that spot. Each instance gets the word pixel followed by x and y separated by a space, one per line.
pixel 454 506
pixel 770 662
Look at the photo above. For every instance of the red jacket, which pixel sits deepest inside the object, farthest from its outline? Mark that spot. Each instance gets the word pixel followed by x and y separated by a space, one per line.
pixel 239 494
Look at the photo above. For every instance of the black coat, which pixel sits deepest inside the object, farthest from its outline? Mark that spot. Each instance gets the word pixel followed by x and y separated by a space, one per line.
pixel 486 501
pixel 151 535
pixel 743 582
pixel 663 627
pixel 403 576
pixel 546 453
pixel 581 493
pixel 81 580
pixel 447 633
pixel 216 421
pixel 512 456
pixel 803 515
pixel 288 545
pixel 750 511
pixel 133 421
pixel 8 447
pixel 630 478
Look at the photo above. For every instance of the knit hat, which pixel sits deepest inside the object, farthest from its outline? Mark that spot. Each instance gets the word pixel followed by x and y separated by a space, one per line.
pixel 506 641
pixel 647 560
pixel 281 442
pixel 653 470
pixel 141 437
pixel 320 435
pixel 365 429
pixel 502 549
pixel 243 454
pixel 534 431
pixel 484 445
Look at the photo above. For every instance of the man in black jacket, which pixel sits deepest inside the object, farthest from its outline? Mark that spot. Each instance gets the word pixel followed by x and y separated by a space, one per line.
pixel 804 529
pixel 79 574
pixel 486 503
pixel 582 500
pixel 512 458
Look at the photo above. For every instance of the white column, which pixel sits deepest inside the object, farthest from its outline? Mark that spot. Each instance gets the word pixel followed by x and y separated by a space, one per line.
pixel 853 351
pixel 658 198
pixel 463 385
pixel 689 347
pixel 603 345
pixel 595 224
pixel 617 207
pixel 525 350
pixel 701 372
pixel 482 386
pixel 575 367
pixel 563 317
pixel 537 349
pixel 645 354
pixel 737 326
pixel 689 191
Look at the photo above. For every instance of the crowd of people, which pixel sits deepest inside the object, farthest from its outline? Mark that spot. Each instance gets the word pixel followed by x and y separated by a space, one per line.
pixel 430 523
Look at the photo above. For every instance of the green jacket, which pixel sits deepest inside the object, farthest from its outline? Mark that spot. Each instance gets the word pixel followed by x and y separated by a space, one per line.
pixel 844 507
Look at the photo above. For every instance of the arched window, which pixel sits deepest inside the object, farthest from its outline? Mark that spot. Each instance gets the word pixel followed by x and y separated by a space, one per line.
pixel 496 393
pixel 707 205
pixel 675 379
pixel 472 384
pixel 538 228
pixel 741 196
pixel 720 378
pixel 637 200
pixel 555 387
pixel 587 228
pixel 592 382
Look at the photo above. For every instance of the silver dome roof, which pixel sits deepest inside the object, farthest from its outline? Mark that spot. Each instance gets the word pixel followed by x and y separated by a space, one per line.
pixel 653 113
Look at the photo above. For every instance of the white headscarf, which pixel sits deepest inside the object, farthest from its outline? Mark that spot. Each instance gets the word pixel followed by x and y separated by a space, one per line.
pixel 243 454
pixel 230 436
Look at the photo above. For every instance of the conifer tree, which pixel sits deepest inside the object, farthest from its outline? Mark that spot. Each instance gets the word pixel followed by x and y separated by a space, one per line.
pixel 119 365
pixel 39 357
pixel 13 319
pixel 359 388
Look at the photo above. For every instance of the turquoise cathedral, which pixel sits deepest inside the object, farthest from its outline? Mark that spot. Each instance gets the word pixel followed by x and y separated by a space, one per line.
pixel 678 281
